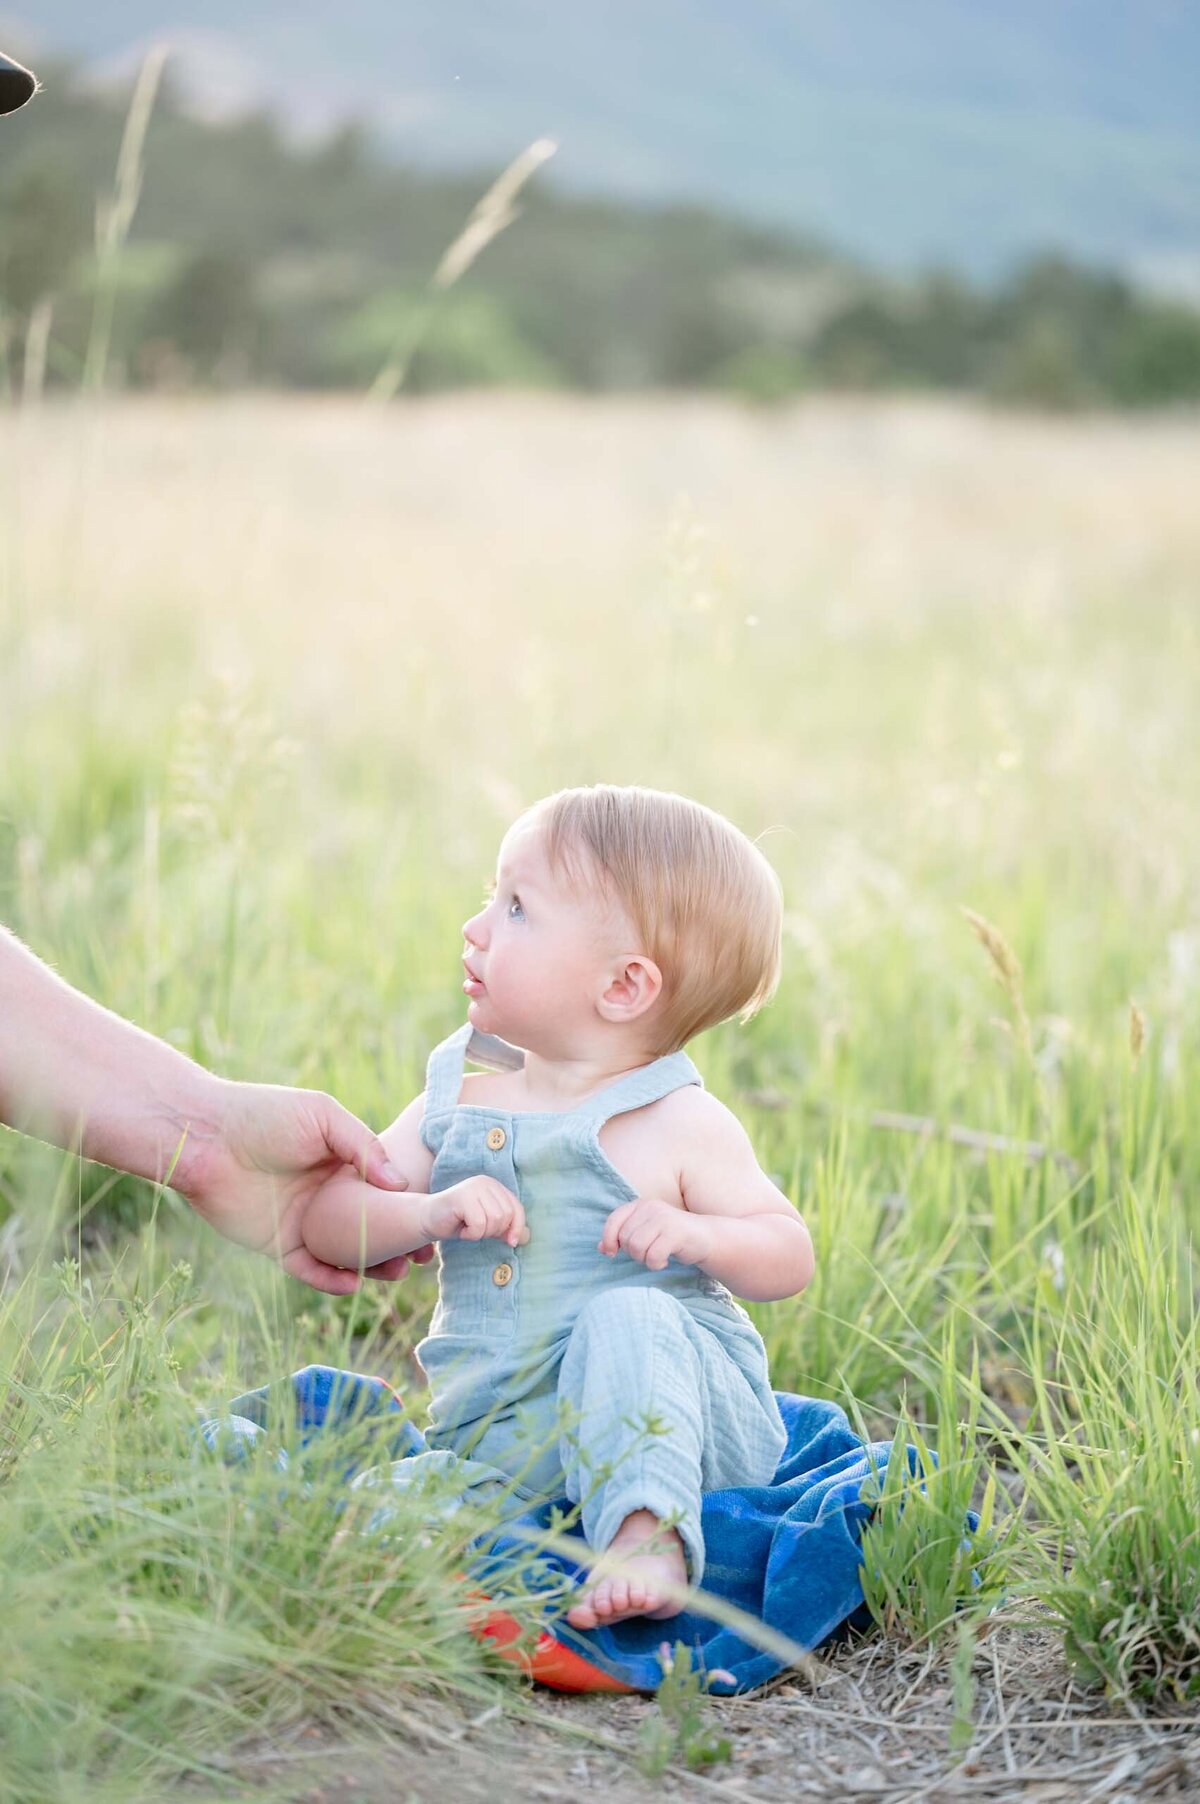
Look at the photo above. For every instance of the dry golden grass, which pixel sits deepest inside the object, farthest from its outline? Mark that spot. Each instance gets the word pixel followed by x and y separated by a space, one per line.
pixel 997 605
pixel 941 656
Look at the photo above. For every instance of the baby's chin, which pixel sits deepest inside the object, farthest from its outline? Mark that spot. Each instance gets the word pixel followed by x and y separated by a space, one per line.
pixel 482 1013
pixel 486 1018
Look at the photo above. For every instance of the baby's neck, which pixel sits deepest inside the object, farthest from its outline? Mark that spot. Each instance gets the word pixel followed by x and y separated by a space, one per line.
pixel 560 1082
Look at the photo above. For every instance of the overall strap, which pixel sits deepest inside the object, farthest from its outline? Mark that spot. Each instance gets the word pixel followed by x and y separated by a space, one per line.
pixel 444 1072
pixel 466 1046
pixel 637 1088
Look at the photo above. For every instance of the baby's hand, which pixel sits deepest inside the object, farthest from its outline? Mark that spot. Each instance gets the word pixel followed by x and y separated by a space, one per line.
pixel 652 1232
pixel 476 1209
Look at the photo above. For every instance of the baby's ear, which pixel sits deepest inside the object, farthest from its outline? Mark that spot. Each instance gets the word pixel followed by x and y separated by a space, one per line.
pixel 634 985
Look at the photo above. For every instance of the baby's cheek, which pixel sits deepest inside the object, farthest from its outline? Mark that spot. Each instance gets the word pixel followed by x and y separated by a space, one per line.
pixel 554 989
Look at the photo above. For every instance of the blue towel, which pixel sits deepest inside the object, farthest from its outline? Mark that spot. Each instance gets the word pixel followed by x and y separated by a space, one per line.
pixel 785 1553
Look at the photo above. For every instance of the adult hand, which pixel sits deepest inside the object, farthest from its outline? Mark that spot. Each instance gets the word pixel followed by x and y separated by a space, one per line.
pixel 250 1157
pixel 260 1160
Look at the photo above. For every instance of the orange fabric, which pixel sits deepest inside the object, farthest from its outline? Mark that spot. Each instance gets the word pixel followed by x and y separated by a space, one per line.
pixel 549 1662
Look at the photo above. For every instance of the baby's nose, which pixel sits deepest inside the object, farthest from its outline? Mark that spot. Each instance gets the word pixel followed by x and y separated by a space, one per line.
pixel 474 931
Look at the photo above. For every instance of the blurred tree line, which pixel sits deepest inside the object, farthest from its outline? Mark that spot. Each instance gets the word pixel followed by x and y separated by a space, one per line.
pixel 254 259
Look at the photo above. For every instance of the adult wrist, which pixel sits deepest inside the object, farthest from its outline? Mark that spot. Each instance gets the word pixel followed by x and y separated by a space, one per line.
pixel 193 1136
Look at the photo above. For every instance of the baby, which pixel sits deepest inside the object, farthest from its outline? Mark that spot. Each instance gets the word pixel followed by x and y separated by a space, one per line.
pixel 597 1351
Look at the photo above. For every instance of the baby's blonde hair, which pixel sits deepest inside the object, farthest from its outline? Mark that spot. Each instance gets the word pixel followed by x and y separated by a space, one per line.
pixel 705 900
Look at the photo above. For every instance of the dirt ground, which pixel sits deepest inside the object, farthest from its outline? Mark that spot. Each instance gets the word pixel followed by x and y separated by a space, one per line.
pixel 873 1722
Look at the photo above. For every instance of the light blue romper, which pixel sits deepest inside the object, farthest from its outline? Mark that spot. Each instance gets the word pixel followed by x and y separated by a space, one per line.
pixel 564 1371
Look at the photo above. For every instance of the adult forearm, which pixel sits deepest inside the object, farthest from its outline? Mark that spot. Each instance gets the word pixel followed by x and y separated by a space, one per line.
pixel 762 1258
pixel 75 1074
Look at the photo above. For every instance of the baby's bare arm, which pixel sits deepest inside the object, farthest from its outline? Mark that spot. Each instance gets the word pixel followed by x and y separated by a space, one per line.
pixel 349 1224
pixel 758 1243
pixel 349 1229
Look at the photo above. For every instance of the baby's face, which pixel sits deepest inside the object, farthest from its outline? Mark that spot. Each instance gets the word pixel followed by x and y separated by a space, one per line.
pixel 539 956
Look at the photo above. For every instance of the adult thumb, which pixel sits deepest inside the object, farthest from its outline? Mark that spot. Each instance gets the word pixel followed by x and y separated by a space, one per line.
pixel 351 1141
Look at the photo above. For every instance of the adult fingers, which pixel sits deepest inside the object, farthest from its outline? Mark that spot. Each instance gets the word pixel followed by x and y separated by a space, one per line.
pixel 351 1141
pixel 305 1266
pixel 389 1269
pixel 336 1280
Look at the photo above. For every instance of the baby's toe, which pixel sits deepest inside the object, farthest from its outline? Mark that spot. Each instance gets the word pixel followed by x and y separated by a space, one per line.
pixel 618 1597
pixel 602 1601
pixel 583 1614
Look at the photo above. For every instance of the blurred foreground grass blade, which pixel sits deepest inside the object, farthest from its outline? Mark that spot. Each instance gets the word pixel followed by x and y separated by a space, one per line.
pixel 491 216
pixel 115 214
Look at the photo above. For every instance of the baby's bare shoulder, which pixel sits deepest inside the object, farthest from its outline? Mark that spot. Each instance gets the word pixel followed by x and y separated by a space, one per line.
pixel 696 1118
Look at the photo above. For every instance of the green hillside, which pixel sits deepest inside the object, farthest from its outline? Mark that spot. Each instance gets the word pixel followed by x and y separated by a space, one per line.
pixel 255 259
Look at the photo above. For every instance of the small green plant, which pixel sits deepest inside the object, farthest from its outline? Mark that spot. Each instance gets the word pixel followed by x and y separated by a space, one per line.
pixel 922 1564
pixel 681 1728
pixel 1111 1459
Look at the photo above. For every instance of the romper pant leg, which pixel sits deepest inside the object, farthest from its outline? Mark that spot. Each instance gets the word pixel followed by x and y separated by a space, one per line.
pixel 662 1414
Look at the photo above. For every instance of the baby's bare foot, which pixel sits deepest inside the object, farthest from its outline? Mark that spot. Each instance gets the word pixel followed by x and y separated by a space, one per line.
pixel 652 1567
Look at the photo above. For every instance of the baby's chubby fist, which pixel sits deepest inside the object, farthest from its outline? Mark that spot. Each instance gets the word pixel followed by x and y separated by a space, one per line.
pixel 653 1231
pixel 477 1209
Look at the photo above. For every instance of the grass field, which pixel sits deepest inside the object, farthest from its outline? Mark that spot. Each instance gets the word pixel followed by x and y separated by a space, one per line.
pixel 275 675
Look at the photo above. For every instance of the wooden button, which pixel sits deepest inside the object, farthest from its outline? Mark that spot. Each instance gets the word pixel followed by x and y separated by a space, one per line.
pixel 496 1138
pixel 502 1275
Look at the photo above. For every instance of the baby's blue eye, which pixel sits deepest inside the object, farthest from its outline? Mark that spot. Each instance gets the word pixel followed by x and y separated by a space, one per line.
pixel 515 911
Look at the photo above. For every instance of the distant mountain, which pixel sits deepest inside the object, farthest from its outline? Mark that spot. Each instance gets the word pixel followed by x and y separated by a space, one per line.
pixel 934 131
